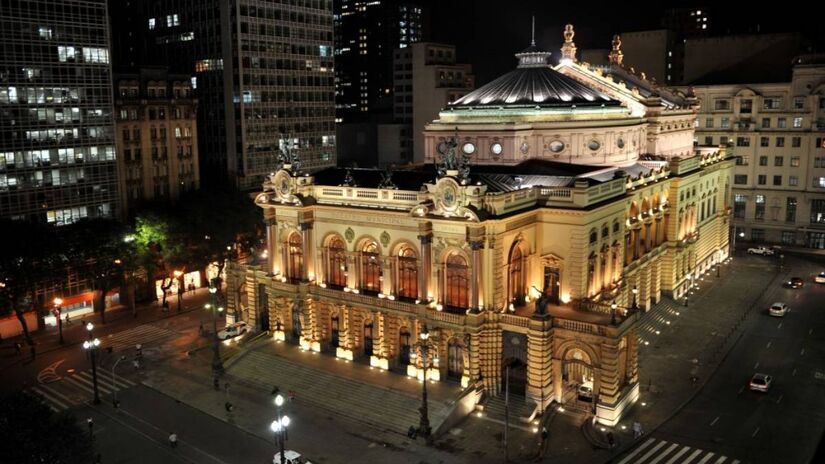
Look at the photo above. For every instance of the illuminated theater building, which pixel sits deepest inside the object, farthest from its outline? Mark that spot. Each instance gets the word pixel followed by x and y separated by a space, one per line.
pixel 556 205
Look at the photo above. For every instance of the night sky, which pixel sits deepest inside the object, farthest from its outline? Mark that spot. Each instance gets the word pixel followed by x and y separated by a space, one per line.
pixel 488 33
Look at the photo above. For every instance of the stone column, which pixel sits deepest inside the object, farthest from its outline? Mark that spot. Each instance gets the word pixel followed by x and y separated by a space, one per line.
pixel 271 246
pixel 306 248
pixel 425 267
pixel 476 246
pixel 607 382
pixel 539 361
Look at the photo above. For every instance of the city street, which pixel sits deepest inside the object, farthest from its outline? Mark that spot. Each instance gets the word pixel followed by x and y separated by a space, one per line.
pixel 728 420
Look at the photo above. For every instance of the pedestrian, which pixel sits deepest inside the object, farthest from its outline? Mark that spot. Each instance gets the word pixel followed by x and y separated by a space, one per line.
pixel 91 423
pixel 18 347
pixel 173 440
pixel 610 441
pixel 68 319
pixel 543 434
pixel 411 432
pixel 637 430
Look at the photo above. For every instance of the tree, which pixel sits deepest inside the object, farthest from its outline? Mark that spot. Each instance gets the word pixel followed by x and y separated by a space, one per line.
pixel 31 433
pixel 26 266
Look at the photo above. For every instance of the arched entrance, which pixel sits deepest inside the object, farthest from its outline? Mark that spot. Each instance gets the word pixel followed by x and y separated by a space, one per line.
pixel 514 373
pixel 578 378
pixel 455 360
pixel 333 336
pixel 368 339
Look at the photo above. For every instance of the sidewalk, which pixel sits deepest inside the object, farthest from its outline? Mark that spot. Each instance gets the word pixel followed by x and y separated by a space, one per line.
pixel 693 344
pixel 118 318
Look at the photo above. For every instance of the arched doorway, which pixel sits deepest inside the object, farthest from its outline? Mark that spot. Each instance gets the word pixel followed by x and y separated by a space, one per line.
pixel 404 347
pixel 455 360
pixel 334 333
pixel 368 339
pixel 516 277
pixel 578 378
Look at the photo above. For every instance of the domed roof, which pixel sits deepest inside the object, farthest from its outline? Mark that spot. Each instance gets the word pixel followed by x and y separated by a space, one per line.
pixel 534 83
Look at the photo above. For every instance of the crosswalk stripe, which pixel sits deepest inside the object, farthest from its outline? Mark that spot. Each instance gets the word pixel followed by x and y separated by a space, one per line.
pixel 51 398
pixel 663 455
pixel 720 460
pixel 651 452
pixel 122 382
pixel 86 384
pixel 637 451
pixel 706 458
pixel 692 456
pixel 735 461
pixel 678 455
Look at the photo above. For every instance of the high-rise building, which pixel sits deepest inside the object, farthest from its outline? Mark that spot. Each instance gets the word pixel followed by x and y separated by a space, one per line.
pixel 157 136
pixel 777 133
pixel 57 152
pixel 366 34
pixel 262 71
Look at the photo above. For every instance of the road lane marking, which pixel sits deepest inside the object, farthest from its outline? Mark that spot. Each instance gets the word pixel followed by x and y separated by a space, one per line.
pixel 793 373
pixel 755 432
pixel 692 456
pixel 756 366
pixel 720 460
pixel 665 453
pixel 802 353
pixel 779 326
pixel 769 344
pixel 735 461
pixel 652 451
pixel 52 396
pixel 741 389
pixel 678 455
pixel 637 451
pixel 780 399
pixel 714 421
pixel 706 458
pixel 810 331
pixel 49 374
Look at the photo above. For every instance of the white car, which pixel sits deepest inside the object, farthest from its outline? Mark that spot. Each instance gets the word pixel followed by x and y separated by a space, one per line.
pixel 233 330
pixel 761 250
pixel 290 457
pixel 778 309
pixel 820 278
pixel 760 382
pixel 585 391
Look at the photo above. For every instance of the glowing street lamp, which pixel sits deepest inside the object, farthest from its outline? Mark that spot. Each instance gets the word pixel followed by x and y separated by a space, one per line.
pixel 217 364
pixel 91 345
pixel 279 426
pixel 613 307
pixel 424 419
pixel 634 291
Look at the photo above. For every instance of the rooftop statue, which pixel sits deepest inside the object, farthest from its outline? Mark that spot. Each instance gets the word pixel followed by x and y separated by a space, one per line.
pixel 287 153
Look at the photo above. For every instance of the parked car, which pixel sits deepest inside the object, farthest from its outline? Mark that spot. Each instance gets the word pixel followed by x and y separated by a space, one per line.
pixel 291 457
pixel 778 309
pixel 761 250
pixel 794 282
pixel 820 278
pixel 760 382
pixel 585 391
pixel 233 330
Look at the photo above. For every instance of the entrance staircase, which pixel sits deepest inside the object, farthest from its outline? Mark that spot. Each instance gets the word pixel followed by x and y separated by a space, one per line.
pixel 522 411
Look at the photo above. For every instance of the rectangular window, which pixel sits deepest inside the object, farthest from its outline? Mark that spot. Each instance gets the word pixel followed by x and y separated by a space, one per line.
pixel 796 142
pixel 766 123
pixel 780 141
pixel 794 161
pixel 799 103
pixel 778 160
pixel 740 179
pixel 817 211
pixel 763 160
pixel 797 122
pixel 758 235
pixel 764 142
pixel 151 23
pixel 722 104
pixel 761 179
pixel 743 160
pixel 743 141
pixel 819 182
pixel 820 141
pixel 746 106
pixel 709 122
pixel 788 237
pixel 793 181
pixel 726 123
pixel 818 162
pixel 740 202
pixel 723 140
pixel 782 123
pixel 709 140
pixel 772 103
pixel 777 180
pixel 790 209
pixel 759 212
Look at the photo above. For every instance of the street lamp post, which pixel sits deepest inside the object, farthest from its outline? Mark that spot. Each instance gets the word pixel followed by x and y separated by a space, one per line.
pixel 114 381
pixel 424 421
pixel 279 426
pixel 613 307
pixel 178 275
pixel 634 290
pixel 92 345
pixel 57 302
pixel 217 364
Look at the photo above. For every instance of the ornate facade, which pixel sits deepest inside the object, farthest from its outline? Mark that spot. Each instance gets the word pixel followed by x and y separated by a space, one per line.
pixel 513 257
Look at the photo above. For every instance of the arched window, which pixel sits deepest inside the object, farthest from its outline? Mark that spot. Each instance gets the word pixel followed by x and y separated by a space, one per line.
pixel 516 277
pixel 407 274
pixel 594 236
pixel 591 274
pixel 336 255
pixel 295 256
pixel 370 268
pixel 458 279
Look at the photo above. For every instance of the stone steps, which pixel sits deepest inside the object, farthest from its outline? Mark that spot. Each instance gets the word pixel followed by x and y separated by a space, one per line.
pixel 521 410
pixel 372 404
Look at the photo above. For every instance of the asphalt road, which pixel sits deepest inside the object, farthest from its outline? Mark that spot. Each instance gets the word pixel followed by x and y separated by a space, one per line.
pixel 785 424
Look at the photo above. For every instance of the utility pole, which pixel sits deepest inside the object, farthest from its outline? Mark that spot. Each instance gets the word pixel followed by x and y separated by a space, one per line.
pixel 506 412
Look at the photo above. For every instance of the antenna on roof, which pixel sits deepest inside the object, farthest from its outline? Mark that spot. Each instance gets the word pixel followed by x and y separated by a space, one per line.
pixel 533 39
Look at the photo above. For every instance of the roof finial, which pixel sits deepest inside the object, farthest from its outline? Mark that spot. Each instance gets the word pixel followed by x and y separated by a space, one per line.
pixel 533 36
pixel 616 54
pixel 568 50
